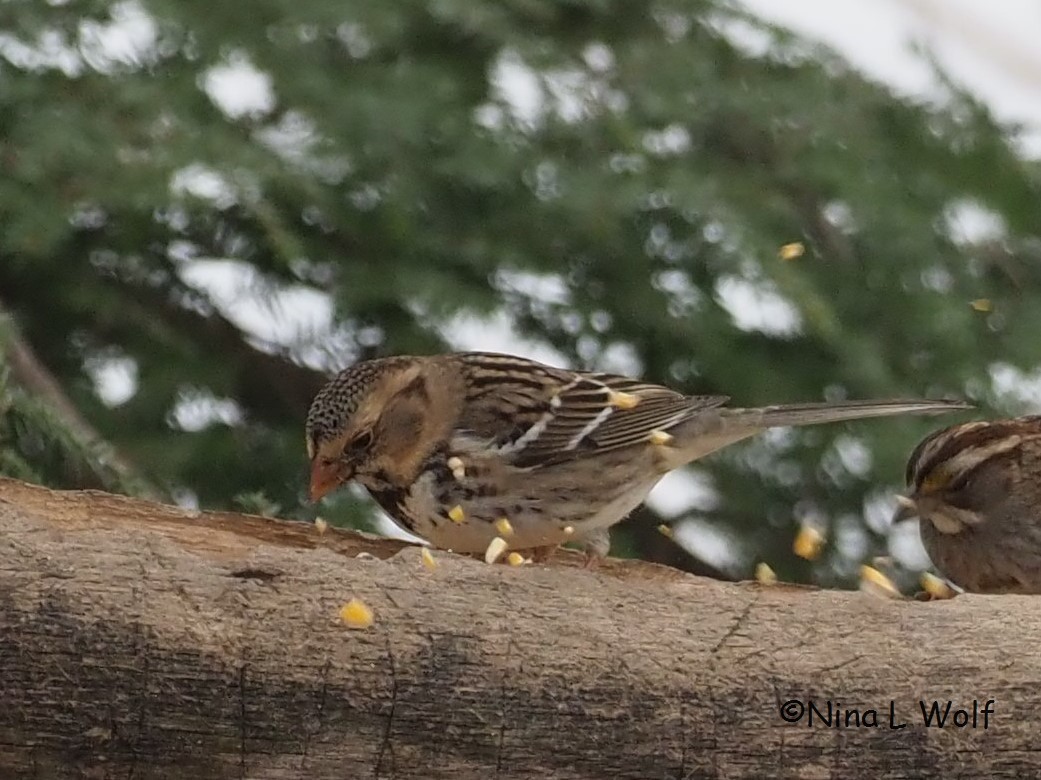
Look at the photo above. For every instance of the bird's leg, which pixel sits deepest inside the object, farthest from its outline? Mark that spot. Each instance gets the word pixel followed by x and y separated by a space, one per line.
pixel 595 545
pixel 544 553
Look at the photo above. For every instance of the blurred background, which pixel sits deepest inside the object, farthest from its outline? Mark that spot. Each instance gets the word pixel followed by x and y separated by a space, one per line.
pixel 206 209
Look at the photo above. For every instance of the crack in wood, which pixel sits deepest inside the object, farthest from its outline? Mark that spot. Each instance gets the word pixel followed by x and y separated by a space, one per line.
pixel 738 622
pixel 385 742
pixel 502 710
pixel 242 716
pixel 320 710
pixel 263 575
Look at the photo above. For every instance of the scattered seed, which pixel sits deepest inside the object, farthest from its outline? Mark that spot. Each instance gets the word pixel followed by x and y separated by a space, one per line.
pixel 665 530
pixel 457 467
pixel 661 438
pixel 356 614
pixel 427 557
pixel 621 400
pixel 496 547
pixel 936 587
pixel 320 526
pixel 876 583
pixel 456 514
pixel 502 525
pixel 791 251
pixel 764 574
pixel 982 304
pixel 808 543
pixel 516 559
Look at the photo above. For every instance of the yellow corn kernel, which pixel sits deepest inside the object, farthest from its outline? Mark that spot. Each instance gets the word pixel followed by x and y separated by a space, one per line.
pixel 621 400
pixel 502 525
pixel 516 559
pixel 875 582
pixel 320 526
pixel 428 558
pixel 791 251
pixel 981 304
pixel 496 547
pixel 936 587
pixel 665 530
pixel 456 514
pixel 764 574
pixel 356 614
pixel 661 438
pixel 808 543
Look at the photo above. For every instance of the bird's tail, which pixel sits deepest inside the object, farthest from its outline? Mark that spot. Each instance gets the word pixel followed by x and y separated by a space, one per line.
pixel 714 429
pixel 824 412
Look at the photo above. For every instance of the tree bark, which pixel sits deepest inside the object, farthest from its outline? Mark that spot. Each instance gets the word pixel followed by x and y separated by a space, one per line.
pixel 143 641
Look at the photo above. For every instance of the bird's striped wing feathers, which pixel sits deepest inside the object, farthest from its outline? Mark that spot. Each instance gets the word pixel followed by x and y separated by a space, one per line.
pixel 557 415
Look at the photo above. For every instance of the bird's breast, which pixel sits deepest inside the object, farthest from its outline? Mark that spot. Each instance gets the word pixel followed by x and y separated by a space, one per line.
pixel 461 501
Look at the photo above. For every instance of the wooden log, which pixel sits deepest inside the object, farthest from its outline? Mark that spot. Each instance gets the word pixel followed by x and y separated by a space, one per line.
pixel 139 640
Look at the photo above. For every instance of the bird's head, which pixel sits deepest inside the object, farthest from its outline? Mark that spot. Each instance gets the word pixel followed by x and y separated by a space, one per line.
pixel 951 475
pixel 376 422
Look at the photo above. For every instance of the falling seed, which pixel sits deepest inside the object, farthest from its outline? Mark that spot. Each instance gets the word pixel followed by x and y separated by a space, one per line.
pixel 764 574
pixel 516 559
pixel 428 558
pixel 457 467
pixel 791 251
pixel 621 400
pixel 665 531
pixel 496 547
pixel 660 438
pixel 502 525
pixel 356 614
pixel 320 526
pixel 456 514
pixel 876 583
pixel 808 543
pixel 568 530
pixel 936 587
pixel 982 304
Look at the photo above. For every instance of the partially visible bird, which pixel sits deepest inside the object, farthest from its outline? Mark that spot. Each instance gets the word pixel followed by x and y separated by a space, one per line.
pixel 461 448
pixel 976 488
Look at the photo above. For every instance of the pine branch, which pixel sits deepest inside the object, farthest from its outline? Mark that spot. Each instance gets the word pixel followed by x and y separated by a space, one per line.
pixel 42 424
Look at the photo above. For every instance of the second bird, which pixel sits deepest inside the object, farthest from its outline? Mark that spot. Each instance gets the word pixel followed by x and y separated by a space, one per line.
pixel 974 487
pixel 461 448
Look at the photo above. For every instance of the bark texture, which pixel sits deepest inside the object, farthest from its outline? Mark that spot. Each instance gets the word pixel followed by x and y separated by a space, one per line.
pixel 142 641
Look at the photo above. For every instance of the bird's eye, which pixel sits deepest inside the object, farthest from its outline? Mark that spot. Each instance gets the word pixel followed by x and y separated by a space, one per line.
pixel 362 441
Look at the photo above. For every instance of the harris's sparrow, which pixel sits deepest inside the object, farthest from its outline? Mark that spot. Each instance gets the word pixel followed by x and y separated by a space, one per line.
pixel 461 448
pixel 976 489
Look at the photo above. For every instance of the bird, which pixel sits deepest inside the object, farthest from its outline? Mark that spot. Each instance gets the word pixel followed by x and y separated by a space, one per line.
pixel 465 447
pixel 976 489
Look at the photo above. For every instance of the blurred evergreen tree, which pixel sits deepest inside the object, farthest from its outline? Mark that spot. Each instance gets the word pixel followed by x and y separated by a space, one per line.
pixel 613 178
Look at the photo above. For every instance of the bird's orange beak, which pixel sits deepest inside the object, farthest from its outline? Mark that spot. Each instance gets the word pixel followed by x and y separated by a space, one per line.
pixel 325 478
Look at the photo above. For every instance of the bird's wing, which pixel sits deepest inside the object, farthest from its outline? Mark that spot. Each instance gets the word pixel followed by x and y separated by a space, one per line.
pixel 536 415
